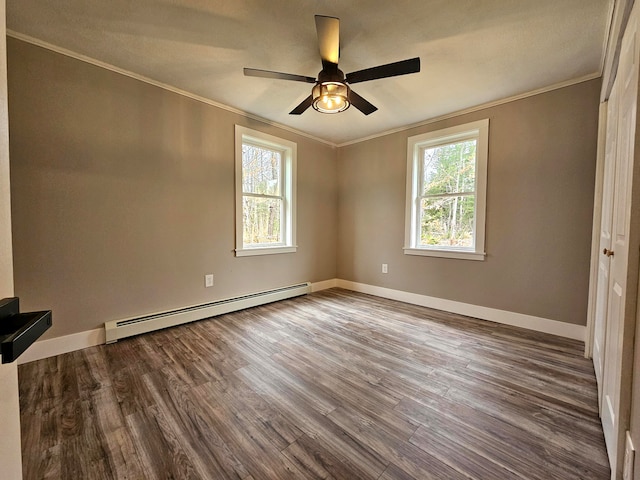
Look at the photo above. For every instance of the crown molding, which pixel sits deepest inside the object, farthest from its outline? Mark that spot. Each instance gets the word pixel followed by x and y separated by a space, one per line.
pixel 171 88
pixel 477 108
pixel 98 63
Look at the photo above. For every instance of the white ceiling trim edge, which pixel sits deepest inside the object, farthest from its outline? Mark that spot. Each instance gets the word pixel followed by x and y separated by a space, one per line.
pixel 483 106
pixel 142 78
pixel 83 58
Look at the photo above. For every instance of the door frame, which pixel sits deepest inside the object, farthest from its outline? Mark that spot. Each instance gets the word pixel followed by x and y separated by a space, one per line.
pixel 10 448
pixel 595 232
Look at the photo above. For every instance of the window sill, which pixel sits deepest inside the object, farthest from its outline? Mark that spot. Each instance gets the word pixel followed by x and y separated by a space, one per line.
pixel 461 255
pixel 247 252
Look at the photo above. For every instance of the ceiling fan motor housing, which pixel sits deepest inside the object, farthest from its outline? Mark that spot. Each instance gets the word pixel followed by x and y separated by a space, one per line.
pixel 329 74
pixel 331 93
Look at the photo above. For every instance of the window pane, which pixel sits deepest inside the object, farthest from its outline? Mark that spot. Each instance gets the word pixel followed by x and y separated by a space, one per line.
pixel 261 220
pixel 449 168
pixel 447 222
pixel 260 170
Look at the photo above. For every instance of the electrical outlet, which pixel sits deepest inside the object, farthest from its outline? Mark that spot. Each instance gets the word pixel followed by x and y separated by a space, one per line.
pixel 208 280
pixel 385 268
pixel 629 453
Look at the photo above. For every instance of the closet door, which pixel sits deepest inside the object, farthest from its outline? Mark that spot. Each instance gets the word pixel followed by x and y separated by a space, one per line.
pixel 620 311
pixel 604 261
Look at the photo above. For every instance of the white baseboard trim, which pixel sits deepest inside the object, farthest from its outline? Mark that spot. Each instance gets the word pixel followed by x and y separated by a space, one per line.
pixel 77 341
pixel 539 324
pixel 59 345
pixel 324 285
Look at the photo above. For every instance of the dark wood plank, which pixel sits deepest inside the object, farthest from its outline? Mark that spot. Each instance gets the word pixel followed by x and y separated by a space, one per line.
pixel 316 461
pixel 159 447
pixel 395 473
pixel 105 422
pixel 315 423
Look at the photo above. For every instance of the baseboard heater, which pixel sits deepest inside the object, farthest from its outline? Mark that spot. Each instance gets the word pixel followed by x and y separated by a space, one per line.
pixel 128 327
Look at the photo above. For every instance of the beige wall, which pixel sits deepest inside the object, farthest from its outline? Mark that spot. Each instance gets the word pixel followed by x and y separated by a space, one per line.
pixel 542 153
pixel 123 200
pixel 123 197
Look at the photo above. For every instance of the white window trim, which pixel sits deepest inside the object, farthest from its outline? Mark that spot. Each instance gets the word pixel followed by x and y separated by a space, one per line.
pixel 289 159
pixel 479 130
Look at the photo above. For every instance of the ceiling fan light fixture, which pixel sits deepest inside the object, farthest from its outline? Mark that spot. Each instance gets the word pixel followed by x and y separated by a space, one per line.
pixel 331 92
pixel 330 97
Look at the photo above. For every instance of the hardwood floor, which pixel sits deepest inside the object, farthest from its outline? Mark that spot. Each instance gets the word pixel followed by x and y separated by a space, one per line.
pixel 333 385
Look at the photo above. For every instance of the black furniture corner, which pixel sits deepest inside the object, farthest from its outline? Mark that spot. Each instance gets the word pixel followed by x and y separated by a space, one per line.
pixel 19 330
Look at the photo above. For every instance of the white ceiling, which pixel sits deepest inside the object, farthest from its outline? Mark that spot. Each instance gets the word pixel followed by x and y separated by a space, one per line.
pixel 473 52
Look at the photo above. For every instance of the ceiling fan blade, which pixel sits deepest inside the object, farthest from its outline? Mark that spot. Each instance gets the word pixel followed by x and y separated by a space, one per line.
pixel 361 104
pixel 254 72
pixel 306 103
pixel 328 29
pixel 402 67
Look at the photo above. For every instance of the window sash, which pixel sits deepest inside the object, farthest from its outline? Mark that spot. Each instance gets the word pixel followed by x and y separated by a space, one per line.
pixel 281 169
pixel 259 219
pixel 281 198
pixel 421 162
pixel 421 212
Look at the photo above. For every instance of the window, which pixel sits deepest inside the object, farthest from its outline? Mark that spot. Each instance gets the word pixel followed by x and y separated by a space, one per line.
pixel 446 192
pixel 265 193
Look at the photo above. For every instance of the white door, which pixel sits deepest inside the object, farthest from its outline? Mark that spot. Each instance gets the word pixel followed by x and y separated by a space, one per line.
pixel 617 326
pixel 604 260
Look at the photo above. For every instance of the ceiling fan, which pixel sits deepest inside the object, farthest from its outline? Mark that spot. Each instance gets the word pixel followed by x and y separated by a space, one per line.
pixel 331 92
